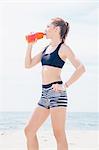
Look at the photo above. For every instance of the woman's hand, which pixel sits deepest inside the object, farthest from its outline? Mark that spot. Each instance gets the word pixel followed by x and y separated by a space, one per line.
pixel 58 87
pixel 32 43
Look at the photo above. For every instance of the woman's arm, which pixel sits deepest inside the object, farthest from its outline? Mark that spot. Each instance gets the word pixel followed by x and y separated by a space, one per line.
pixel 80 69
pixel 30 62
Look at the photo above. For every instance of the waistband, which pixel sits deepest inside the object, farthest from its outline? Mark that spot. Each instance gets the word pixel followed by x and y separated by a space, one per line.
pixel 50 84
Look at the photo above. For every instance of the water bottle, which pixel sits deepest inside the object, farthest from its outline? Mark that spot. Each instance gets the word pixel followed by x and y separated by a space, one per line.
pixel 33 36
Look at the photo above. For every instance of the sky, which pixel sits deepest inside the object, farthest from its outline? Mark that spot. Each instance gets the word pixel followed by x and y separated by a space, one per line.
pixel 20 88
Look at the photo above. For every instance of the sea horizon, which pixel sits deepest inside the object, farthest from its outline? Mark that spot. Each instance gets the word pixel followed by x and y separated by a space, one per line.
pixel 10 121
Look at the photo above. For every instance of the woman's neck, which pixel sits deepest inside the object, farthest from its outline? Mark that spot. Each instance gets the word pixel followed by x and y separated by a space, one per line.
pixel 55 42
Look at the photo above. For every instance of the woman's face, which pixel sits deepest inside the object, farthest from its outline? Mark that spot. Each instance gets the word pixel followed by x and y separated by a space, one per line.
pixel 50 30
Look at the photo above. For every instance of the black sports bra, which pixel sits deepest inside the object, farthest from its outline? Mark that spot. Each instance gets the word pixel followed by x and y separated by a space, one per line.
pixel 52 59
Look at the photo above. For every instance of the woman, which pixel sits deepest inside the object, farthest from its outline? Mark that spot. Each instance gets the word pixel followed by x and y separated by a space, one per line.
pixel 54 97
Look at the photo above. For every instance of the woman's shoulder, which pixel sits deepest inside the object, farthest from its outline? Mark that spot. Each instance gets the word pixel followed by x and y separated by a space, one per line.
pixel 65 50
pixel 64 46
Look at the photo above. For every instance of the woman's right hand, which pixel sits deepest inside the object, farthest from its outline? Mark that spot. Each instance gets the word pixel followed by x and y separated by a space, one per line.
pixel 30 44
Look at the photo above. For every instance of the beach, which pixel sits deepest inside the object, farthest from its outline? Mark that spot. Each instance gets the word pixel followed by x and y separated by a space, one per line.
pixel 82 131
pixel 77 140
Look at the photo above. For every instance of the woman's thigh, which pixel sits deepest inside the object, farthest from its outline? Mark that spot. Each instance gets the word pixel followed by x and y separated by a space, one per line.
pixel 39 115
pixel 58 118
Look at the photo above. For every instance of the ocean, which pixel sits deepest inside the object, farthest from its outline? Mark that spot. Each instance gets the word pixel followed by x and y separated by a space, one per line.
pixel 74 121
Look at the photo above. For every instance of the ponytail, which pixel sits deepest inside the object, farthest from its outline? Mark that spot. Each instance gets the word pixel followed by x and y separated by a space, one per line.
pixel 66 32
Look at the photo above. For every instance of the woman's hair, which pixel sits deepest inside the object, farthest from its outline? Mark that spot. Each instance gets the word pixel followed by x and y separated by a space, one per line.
pixel 64 27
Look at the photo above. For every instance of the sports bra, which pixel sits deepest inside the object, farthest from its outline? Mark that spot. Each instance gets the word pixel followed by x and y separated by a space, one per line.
pixel 52 59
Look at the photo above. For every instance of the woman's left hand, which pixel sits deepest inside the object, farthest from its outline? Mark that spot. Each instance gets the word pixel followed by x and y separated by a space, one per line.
pixel 58 87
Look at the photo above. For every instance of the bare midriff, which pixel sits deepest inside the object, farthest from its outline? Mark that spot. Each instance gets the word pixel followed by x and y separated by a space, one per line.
pixel 50 74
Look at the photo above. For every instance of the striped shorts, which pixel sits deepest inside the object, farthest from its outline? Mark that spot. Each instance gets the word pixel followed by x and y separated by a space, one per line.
pixel 51 98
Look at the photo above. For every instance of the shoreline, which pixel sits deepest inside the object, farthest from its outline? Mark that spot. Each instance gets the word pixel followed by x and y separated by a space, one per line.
pixel 77 140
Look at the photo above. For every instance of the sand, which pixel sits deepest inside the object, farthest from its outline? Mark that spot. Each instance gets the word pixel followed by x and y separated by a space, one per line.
pixel 77 140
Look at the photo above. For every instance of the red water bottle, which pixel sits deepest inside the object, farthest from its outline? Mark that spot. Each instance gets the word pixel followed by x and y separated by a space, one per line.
pixel 31 37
